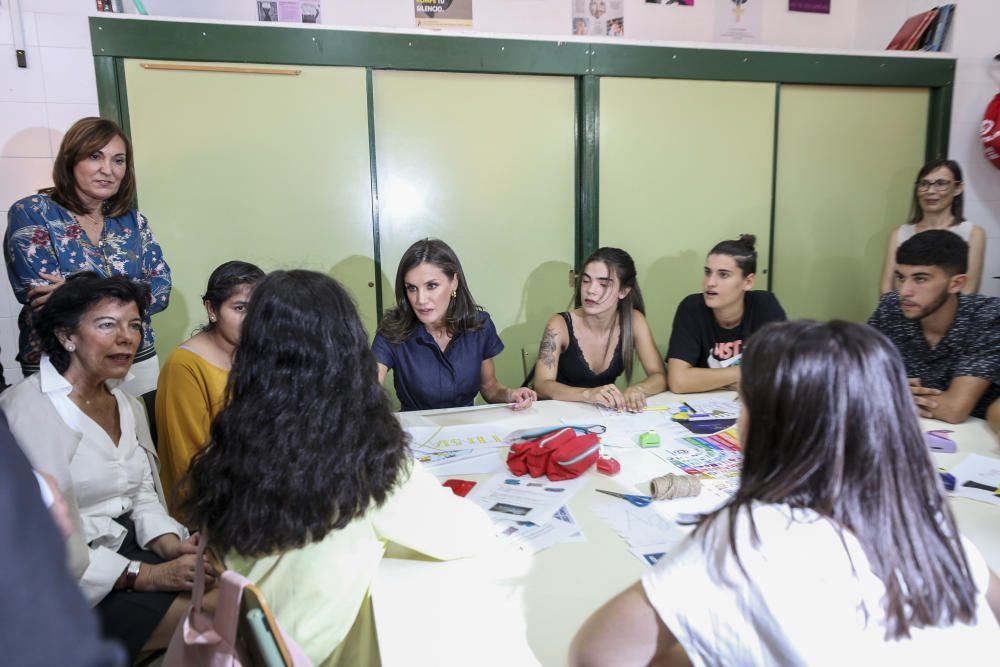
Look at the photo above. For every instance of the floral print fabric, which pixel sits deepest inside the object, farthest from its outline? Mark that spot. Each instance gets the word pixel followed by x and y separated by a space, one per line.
pixel 44 237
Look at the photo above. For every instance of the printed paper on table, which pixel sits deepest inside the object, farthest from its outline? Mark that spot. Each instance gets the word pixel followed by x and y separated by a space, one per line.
pixel 535 499
pixel 714 459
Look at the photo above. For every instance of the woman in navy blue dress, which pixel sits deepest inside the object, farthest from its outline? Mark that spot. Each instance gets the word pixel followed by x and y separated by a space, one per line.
pixel 438 342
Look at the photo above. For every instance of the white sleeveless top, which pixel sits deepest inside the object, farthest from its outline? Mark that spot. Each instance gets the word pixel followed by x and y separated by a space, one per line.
pixel 963 229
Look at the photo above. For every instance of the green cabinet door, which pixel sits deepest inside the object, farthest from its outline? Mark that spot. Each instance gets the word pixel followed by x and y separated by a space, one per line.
pixel 683 165
pixel 484 162
pixel 847 158
pixel 265 168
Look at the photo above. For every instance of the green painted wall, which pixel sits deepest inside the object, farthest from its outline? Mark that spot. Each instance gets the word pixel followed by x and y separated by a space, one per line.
pixel 264 168
pixel 485 162
pixel 847 158
pixel 683 165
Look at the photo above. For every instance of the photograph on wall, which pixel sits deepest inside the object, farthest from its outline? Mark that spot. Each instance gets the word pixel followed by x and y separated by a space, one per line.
pixel 738 20
pixel 288 11
pixel 599 17
pixel 813 6
pixel 310 12
pixel 443 13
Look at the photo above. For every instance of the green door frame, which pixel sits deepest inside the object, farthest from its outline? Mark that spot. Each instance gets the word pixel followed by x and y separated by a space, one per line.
pixel 114 39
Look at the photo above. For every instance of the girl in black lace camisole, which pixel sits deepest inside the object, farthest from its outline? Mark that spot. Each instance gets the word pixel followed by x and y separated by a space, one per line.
pixel 584 351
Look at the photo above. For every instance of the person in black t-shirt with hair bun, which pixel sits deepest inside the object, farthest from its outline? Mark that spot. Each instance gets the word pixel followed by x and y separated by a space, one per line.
pixel 711 328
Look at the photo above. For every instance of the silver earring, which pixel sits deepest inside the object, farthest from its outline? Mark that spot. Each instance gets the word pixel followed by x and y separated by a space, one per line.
pixel 70 347
pixel 212 318
pixel 454 294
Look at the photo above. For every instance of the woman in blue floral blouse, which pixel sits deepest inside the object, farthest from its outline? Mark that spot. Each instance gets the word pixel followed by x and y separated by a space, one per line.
pixel 86 222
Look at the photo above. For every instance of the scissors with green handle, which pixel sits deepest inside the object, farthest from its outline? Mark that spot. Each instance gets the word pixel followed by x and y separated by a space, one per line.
pixel 638 501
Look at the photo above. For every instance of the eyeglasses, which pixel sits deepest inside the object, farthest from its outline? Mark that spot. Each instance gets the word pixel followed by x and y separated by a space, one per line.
pixel 939 185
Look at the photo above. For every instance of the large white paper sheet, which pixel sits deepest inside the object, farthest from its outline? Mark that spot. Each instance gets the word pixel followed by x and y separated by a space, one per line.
pixel 463 462
pixel 472 415
pixel 980 469
pixel 533 537
pixel 535 499
pixel 652 553
pixel 639 526
pixel 456 438
pixel 452 613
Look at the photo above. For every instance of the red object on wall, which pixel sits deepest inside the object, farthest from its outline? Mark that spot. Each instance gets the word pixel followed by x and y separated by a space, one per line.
pixel 990 131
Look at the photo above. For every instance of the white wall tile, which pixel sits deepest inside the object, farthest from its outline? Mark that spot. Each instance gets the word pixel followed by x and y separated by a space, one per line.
pixel 29 33
pixel 22 84
pixel 537 17
pixel 21 176
pixel 63 30
pixel 991 267
pixel 382 14
pixel 24 130
pixel 62 116
pixel 9 307
pixel 69 75
pixel 227 10
pixel 8 302
pixel 71 7
pixel 8 342
pixel 986 214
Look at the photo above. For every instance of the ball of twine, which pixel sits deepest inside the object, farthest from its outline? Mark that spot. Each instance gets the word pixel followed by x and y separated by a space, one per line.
pixel 674 486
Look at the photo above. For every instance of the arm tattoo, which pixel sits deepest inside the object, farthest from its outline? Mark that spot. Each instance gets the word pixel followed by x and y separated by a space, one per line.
pixel 547 348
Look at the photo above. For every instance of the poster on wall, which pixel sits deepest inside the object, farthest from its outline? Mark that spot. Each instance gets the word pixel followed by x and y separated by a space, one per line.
pixel 685 3
pixel 599 17
pixel 443 13
pixel 288 11
pixel 813 6
pixel 738 20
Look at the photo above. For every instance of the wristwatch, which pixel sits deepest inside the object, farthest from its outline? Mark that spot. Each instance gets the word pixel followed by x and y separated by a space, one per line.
pixel 131 573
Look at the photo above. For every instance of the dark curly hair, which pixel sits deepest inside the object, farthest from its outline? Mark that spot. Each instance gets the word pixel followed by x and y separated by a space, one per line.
pixel 83 139
pixel 463 313
pixel 66 306
pixel 307 441
pixel 224 282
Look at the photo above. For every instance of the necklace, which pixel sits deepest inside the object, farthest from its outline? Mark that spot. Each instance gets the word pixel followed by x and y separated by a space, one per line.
pixel 86 401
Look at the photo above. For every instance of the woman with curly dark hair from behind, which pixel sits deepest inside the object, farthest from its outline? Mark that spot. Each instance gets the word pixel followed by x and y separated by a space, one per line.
pixel 307 475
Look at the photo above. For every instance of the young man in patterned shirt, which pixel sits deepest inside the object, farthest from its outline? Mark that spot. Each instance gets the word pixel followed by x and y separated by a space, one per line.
pixel 949 341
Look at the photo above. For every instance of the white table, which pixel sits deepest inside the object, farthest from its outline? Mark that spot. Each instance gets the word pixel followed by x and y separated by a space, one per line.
pixel 978 521
pixel 568 582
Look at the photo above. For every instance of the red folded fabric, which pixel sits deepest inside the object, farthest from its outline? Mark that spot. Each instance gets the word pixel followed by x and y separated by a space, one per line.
pixel 560 455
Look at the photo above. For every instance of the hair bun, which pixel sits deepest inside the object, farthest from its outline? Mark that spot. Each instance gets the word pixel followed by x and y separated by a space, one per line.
pixel 749 240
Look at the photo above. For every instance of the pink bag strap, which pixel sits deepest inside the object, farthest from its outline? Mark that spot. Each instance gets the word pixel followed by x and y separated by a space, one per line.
pixel 199 574
pixel 227 608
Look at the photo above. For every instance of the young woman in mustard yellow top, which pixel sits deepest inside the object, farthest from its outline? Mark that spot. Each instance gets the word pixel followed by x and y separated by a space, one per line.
pixel 192 383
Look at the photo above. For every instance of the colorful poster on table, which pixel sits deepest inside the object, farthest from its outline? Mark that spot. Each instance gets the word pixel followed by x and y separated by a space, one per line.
pixel 288 11
pixel 443 13
pixel 738 20
pixel 599 17
pixel 813 6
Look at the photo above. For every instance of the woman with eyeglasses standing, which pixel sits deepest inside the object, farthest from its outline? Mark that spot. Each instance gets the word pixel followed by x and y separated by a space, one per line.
pixel 86 221
pixel 937 204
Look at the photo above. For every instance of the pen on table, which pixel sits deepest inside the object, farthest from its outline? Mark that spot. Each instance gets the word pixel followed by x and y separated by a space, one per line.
pixel 984 487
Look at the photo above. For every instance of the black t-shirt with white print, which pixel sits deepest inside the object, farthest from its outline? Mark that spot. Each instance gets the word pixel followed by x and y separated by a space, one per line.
pixel 699 340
